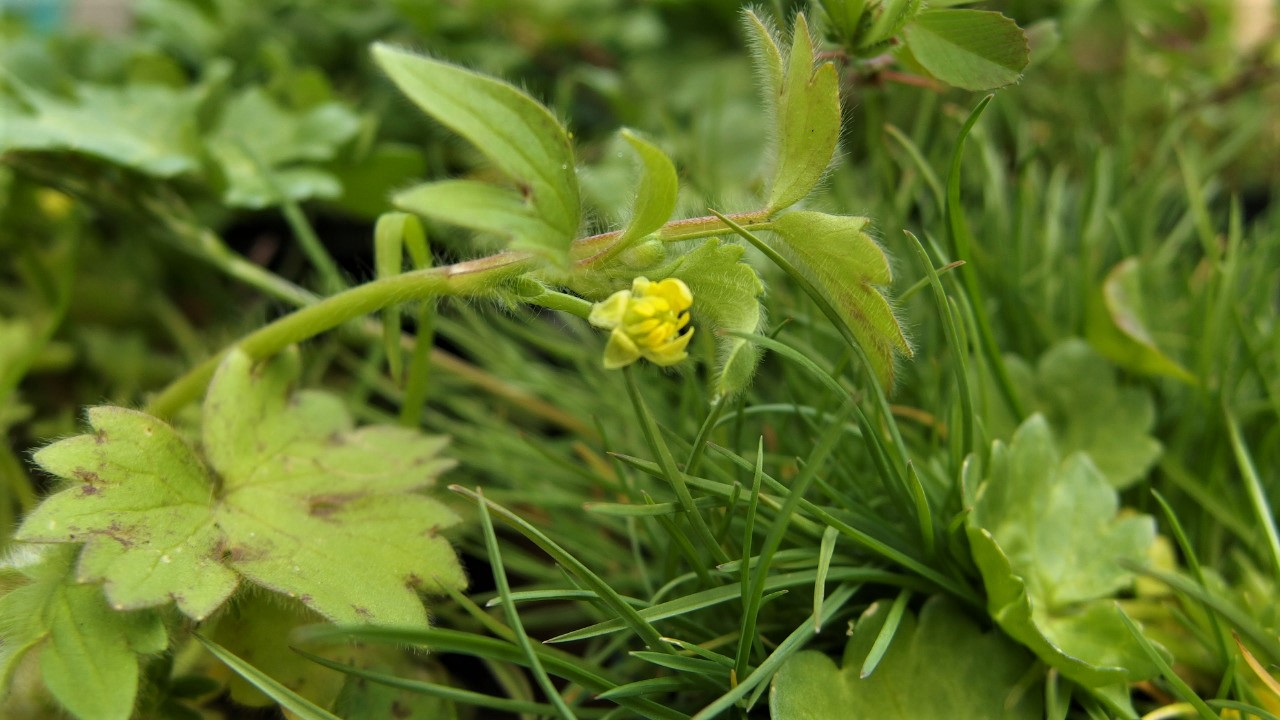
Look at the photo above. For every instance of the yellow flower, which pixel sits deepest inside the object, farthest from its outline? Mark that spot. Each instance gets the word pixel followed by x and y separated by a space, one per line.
pixel 646 322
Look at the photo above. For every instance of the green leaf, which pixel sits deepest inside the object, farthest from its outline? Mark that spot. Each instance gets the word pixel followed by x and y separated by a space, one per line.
pixel 149 128
pixel 1077 392
pixel 257 135
pixel 970 49
pixel 1048 540
pixel 726 296
pixel 288 495
pixel 88 652
pixel 257 629
pixel 520 136
pixel 808 121
pixel 890 18
pixel 942 665
pixel 656 195
pixel 1116 326
pixel 482 207
pixel 848 266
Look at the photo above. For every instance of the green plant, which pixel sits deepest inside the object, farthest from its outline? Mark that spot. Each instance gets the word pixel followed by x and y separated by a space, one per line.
pixel 979 492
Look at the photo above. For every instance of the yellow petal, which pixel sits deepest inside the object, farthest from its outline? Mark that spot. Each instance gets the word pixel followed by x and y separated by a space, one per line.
pixel 670 353
pixel 620 351
pixel 608 313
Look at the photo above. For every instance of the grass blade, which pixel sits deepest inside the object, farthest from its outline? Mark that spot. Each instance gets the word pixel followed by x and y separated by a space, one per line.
pixel 272 688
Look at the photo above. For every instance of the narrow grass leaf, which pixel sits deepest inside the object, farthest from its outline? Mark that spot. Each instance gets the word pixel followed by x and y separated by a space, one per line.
pixel 885 637
pixel 608 595
pixel 1257 495
pixel 825 551
pixel 1180 686
pixel 457 695
pixel 288 699
pixel 494 554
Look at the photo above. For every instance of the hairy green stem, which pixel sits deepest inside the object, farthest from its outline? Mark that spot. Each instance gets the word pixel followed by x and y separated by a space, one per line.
pixel 467 279
pixel 473 278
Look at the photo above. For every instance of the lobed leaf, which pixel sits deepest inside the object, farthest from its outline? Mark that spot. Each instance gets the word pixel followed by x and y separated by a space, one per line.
pixel 266 150
pixel 148 128
pixel 848 266
pixel 970 49
pixel 288 495
pixel 520 136
pixel 1089 411
pixel 88 652
pixel 941 665
pixel 1047 538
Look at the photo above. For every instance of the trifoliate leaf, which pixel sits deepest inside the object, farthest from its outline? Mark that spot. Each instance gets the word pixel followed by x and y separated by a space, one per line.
pixel 726 296
pixel 1116 325
pixel 943 666
pixel 148 128
pixel 287 495
pixel 1076 390
pixel 808 121
pixel 520 136
pixel 88 652
pixel 970 49
pixel 848 266
pixel 262 148
pixel 1048 539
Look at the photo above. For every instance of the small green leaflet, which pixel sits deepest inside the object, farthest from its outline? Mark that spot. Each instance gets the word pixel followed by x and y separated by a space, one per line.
pixel 942 665
pixel 149 128
pixel 656 193
pixel 970 49
pixel 287 495
pixel 88 652
pixel 848 265
pixel 1048 540
pixel 257 136
pixel 806 104
pixel 726 296
pixel 522 138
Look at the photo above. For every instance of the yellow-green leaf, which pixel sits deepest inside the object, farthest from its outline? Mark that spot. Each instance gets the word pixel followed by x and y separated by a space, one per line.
pixel 848 266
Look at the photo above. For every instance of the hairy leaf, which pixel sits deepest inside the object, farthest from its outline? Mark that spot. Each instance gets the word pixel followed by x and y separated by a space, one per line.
pixel 848 265
pixel 88 652
pixel 806 105
pixel 656 195
pixel 944 665
pixel 970 49
pixel 148 128
pixel 287 495
pixel 520 136
pixel 257 136
pixel 726 296
pixel 1046 535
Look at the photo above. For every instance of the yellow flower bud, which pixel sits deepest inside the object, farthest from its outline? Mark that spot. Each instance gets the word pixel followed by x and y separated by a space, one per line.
pixel 645 322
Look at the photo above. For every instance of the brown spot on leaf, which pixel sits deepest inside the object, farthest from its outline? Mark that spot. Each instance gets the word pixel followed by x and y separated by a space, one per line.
pixel 88 491
pixel 363 612
pixel 86 476
pixel 322 506
pixel 100 437
pixel 120 534
pixel 413 581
